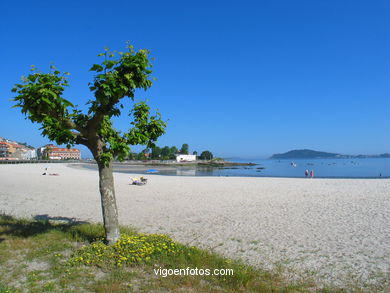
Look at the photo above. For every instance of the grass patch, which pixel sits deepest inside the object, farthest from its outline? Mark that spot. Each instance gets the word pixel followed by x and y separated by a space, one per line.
pixel 5 289
pixel 63 255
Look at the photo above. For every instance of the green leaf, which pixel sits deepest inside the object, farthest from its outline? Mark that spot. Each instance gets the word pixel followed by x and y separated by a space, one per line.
pixel 97 68
pixel 109 63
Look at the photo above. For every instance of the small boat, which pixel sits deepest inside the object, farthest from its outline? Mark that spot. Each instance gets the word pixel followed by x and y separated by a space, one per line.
pixel 293 164
pixel 150 171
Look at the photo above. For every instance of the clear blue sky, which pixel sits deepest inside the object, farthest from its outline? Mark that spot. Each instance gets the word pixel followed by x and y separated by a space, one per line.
pixel 242 78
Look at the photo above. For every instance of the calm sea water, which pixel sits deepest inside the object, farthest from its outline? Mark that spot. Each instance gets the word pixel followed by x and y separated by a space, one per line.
pixel 323 168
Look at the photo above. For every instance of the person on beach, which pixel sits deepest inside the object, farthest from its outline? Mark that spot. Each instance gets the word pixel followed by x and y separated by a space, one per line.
pixel 306 173
pixel 45 173
pixel 311 174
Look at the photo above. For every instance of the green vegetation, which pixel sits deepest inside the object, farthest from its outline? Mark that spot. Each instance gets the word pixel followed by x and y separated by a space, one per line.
pixel 167 153
pixel 45 256
pixel 184 149
pixel 40 96
pixel 130 249
pixel 155 153
pixel 206 155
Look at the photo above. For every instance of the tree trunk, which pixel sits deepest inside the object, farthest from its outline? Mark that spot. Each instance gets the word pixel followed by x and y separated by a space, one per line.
pixel 109 208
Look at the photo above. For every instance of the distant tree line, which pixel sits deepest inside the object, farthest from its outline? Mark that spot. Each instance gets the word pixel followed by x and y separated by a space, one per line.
pixel 167 153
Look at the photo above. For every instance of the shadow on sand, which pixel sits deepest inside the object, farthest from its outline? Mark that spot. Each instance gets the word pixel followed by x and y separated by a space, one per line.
pixel 78 230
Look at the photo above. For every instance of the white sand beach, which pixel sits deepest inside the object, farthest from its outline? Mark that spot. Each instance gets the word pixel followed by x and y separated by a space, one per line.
pixel 337 230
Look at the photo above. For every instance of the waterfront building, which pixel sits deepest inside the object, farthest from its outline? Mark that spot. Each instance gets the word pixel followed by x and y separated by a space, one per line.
pixel 185 158
pixel 10 150
pixel 4 150
pixel 53 152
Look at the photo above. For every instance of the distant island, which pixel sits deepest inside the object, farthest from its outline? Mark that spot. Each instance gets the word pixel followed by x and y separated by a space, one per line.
pixel 310 154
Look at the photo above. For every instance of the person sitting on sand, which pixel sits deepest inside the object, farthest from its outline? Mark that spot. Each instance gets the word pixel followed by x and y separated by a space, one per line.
pixel 45 173
pixel 140 181
pixel 51 174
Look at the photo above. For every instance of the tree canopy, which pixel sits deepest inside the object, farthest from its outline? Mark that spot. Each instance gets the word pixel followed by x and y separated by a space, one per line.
pixel 40 97
pixel 206 155
pixel 184 149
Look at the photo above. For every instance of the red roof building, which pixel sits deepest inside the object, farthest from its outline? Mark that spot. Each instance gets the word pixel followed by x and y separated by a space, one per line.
pixel 55 153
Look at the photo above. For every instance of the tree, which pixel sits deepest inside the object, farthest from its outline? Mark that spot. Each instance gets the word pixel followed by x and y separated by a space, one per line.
pixel 172 152
pixel 165 153
pixel 195 153
pixel 156 152
pixel 140 156
pixel 184 149
pixel 40 97
pixel 132 156
pixel 206 155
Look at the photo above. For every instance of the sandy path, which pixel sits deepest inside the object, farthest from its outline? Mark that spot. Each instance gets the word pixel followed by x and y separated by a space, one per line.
pixel 338 229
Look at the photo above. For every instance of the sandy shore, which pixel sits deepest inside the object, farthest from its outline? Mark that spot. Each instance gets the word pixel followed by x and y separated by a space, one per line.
pixel 338 230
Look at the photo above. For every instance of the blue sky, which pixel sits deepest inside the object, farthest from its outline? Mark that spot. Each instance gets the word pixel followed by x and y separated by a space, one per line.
pixel 242 78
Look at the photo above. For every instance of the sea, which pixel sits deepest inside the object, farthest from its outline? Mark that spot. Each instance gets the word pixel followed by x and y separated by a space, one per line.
pixel 322 168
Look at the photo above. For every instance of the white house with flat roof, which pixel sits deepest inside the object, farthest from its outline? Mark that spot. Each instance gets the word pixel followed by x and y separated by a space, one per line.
pixel 185 158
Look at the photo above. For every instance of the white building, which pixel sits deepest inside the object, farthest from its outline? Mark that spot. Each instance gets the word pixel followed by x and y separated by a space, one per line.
pixel 185 158
pixel 28 154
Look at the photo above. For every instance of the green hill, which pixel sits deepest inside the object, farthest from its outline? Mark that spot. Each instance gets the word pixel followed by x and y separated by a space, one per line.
pixel 305 154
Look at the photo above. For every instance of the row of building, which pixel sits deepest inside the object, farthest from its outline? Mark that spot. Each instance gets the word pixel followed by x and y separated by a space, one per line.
pixel 12 150
pixel 53 152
